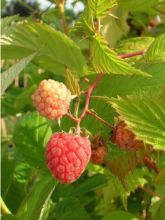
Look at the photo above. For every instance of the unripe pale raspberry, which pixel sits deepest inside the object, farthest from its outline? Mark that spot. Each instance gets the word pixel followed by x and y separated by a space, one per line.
pixel 67 156
pixel 52 99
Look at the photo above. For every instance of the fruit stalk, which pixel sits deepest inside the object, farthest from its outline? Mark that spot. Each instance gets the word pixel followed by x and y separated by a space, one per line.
pixel 99 119
pixel 71 117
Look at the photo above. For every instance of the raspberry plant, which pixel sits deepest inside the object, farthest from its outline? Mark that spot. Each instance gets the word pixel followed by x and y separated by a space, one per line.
pixel 83 111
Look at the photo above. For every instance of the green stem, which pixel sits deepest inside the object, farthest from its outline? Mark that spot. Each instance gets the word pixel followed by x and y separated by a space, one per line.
pixel 76 109
pixel 61 7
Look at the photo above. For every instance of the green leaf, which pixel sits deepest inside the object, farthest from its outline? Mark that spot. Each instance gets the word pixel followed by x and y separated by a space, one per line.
pixel 116 189
pixel 119 215
pixel 31 134
pixel 157 210
pixel 47 42
pixel 137 5
pixel 156 51
pixel 128 158
pixel 22 172
pixel 34 205
pixel 14 52
pixel 8 102
pixel 145 117
pixel 8 23
pixel 12 199
pixel 112 28
pixel 101 8
pixel 158 205
pixel 92 183
pixel 136 178
pixel 7 170
pixel 24 99
pixel 134 44
pixel 9 75
pixel 85 24
pixel 106 60
pixel 50 65
pixel 9 217
pixel 109 85
pixel 71 209
pixel 161 176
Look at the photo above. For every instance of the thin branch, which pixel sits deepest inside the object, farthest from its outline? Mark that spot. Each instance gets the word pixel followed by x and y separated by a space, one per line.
pixel 97 25
pixel 25 80
pixel 71 117
pixel 45 10
pixel 151 192
pixel 151 164
pixel 99 119
pixel 89 92
pixel 61 7
pixel 124 56
pixel 16 81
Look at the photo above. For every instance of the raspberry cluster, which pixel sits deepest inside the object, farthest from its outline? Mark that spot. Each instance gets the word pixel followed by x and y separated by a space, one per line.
pixel 67 156
pixel 52 99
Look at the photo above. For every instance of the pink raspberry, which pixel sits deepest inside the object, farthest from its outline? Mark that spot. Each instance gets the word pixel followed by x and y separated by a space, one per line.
pixel 67 156
pixel 52 99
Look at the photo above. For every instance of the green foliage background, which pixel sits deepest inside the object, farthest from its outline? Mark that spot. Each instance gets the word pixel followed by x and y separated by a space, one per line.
pixel 35 47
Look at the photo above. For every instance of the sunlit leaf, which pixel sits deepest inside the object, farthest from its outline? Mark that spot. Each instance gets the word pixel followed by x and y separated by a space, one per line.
pixel 101 7
pixel 34 205
pixel 9 75
pixel 47 42
pixel 106 60
pixel 145 116
pixel 156 51
pixel 31 134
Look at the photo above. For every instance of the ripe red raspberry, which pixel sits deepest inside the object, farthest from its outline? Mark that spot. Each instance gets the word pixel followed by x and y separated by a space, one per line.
pixel 52 99
pixel 125 138
pixel 67 156
pixel 99 150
